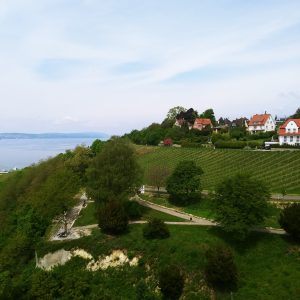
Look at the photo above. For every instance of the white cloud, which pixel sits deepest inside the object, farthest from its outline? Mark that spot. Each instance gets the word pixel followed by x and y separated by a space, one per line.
pixel 261 43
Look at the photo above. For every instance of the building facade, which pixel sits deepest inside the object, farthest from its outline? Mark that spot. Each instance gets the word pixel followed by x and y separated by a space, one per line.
pixel 289 132
pixel 261 123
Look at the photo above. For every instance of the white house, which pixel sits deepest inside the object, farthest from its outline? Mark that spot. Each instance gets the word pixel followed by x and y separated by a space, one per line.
pixel 261 123
pixel 289 132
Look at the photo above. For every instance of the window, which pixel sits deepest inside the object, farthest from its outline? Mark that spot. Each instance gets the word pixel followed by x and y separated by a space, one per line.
pixel 291 138
pixel 285 139
pixel 294 130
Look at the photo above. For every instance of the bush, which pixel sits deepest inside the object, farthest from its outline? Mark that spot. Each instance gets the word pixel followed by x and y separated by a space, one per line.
pixel 220 270
pixel 238 144
pixel 112 218
pixel 133 210
pixel 171 282
pixel 289 220
pixel 156 229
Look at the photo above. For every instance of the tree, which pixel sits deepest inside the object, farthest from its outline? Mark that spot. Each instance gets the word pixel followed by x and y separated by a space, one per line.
pixel 156 229
pixel 158 176
pixel 112 218
pixel 220 270
pixel 184 183
pixel 241 203
pixel 171 282
pixel 97 146
pixel 296 115
pixel 173 112
pixel 209 114
pixel 289 220
pixel 114 173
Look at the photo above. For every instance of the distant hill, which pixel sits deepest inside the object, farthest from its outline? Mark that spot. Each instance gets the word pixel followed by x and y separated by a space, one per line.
pixel 53 135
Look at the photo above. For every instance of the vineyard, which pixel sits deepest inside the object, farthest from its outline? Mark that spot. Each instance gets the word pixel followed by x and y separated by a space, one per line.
pixel 279 169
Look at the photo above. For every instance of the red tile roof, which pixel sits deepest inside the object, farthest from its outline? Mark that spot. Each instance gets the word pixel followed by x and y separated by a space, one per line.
pixel 282 128
pixel 201 121
pixel 259 120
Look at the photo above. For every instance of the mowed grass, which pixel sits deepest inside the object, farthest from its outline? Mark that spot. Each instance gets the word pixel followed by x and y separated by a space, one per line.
pixel 87 215
pixel 204 208
pixel 279 169
pixel 268 264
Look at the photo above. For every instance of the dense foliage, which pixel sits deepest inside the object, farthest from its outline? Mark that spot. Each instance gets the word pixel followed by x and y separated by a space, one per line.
pixel 183 185
pixel 133 210
pixel 221 270
pixel 156 229
pixel 29 200
pixel 289 220
pixel 171 282
pixel 112 217
pixel 240 204
pixel 114 173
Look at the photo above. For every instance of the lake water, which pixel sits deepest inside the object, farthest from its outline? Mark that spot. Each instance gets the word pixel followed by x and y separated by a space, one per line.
pixel 19 153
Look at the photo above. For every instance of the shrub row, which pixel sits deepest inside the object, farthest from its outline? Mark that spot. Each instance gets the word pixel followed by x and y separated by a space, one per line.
pixel 237 144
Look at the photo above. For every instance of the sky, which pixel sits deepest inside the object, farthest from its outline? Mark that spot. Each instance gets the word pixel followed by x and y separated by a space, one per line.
pixel 116 65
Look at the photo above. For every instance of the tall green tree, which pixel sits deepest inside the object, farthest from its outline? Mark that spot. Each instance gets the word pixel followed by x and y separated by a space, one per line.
pixel 114 173
pixel 209 114
pixel 296 115
pixel 241 203
pixel 173 112
pixel 183 185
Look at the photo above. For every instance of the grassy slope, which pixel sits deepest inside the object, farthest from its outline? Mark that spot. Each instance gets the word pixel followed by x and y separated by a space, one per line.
pixel 268 267
pixel 278 169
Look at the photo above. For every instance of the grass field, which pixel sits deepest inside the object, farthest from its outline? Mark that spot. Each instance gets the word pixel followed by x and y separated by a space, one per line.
pixel 279 169
pixel 268 264
pixel 87 215
pixel 204 209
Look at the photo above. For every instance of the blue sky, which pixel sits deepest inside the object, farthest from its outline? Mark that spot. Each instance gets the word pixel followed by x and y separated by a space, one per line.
pixel 95 65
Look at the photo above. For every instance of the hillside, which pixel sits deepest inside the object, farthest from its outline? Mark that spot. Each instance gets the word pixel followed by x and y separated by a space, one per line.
pixel 279 169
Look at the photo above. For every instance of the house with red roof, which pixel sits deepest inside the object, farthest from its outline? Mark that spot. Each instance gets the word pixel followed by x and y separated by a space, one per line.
pixel 289 132
pixel 261 123
pixel 201 123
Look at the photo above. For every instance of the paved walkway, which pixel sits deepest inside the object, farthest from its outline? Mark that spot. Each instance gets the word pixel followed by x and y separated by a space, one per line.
pixel 277 197
pixel 77 232
pixel 195 220
pixel 175 213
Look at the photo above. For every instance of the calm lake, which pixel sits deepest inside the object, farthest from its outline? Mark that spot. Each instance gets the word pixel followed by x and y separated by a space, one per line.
pixel 19 153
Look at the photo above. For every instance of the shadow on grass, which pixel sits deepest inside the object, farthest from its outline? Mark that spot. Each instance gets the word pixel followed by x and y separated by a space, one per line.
pixel 242 246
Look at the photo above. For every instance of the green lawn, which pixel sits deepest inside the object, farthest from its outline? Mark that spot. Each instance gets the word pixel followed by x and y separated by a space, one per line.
pixel 87 215
pixel 268 264
pixel 279 169
pixel 204 209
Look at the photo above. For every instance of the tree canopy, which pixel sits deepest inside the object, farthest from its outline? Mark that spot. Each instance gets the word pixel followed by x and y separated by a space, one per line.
pixel 173 112
pixel 209 114
pixel 296 115
pixel 184 183
pixel 241 203
pixel 113 173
